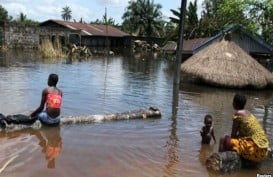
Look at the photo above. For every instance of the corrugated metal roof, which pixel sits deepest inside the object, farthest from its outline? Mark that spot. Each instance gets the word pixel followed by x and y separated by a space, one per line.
pixel 192 44
pixel 170 46
pixel 195 45
pixel 254 37
pixel 91 29
pixel 188 45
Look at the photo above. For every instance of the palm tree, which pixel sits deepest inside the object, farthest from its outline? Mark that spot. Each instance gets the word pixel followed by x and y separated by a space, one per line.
pixel 108 21
pixel 143 17
pixel 191 22
pixel 176 14
pixel 66 13
pixel 22 17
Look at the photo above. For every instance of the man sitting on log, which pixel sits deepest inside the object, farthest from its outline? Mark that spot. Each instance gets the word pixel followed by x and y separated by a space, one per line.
pixel 52 100
pixel 248 138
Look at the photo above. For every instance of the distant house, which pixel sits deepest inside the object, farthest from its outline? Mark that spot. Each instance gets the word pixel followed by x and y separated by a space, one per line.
pixel 254 45
pixel 95 36
pixel 188 46
pixel 90 35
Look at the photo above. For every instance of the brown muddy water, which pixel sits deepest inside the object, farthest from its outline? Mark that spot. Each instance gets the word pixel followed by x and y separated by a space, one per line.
pixel 166 147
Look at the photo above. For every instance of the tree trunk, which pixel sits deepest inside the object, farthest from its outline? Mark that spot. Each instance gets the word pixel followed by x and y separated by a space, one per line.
pixel 19 121
pixel 136 114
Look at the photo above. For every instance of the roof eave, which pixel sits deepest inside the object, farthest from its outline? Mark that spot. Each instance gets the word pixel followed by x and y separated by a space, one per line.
pixel 233 28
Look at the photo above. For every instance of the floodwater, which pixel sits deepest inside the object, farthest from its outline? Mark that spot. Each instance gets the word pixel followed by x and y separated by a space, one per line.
pixel 168 147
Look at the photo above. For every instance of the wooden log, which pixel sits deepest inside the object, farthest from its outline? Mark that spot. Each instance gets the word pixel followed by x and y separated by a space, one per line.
pixel 136 114
pixel 18 122
pixel 224 162
pixel 230 161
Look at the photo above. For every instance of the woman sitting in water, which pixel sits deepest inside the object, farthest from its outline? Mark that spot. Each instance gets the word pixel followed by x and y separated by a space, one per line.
pixel 248 138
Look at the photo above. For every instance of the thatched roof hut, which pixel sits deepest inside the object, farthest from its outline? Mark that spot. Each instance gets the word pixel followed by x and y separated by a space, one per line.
pixel 223 63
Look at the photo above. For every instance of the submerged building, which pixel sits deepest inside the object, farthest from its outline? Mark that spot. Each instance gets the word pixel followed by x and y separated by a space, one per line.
pixel 252 44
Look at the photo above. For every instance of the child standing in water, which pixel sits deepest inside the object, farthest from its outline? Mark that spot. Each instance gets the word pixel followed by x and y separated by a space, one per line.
pixel 207 131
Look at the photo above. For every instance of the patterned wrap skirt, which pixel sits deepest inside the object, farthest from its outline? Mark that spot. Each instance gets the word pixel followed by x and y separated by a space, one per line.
pixel 247 149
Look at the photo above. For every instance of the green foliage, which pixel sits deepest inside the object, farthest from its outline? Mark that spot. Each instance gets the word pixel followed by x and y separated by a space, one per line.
pixel 217 15
pixel 172 30
pixel 191 24
pixel 105 21
pixel 3 14
pixel 23 20
pixel 66 13
pixel 110 22
pixel 176 17
pixel 261 14
pixel 144 18
pixel 231 12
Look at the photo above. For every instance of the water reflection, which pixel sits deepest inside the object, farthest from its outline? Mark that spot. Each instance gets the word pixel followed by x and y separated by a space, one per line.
pixel 24 56
pixel 3 60
pixel 205 151
pixel 141 64
pixel 49 141
pixel 220 99
pixel 172 143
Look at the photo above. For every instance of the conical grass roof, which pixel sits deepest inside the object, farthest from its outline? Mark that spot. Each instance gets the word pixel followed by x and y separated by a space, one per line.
pixel 223 63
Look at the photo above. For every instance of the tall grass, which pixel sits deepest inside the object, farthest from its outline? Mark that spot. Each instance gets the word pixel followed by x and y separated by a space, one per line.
pixel 51 50
pixel 3 48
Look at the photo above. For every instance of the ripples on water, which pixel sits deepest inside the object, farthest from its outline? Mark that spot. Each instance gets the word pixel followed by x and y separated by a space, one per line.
pixel 169 146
